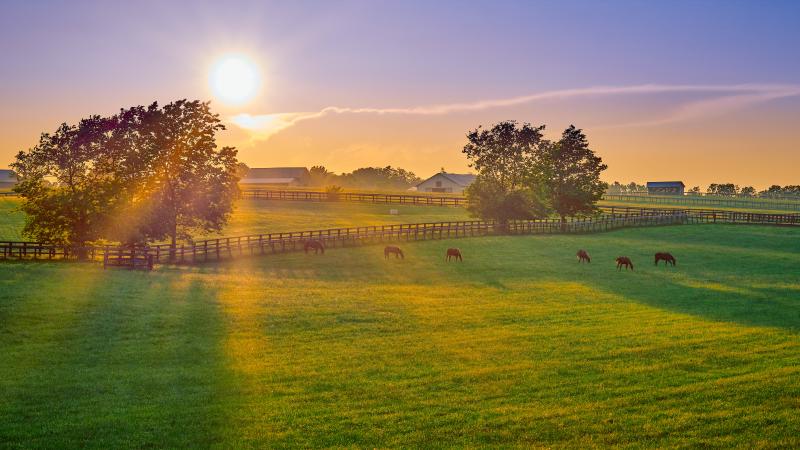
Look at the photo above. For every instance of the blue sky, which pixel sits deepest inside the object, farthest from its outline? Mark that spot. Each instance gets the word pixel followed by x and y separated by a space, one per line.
pixel 64 60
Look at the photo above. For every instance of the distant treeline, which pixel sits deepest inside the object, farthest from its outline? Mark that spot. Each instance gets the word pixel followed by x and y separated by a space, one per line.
pixel 718 189
pixel 365 178
pixel 382 178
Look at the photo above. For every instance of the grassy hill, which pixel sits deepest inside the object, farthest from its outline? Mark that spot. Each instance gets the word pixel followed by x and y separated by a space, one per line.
pixel 519 345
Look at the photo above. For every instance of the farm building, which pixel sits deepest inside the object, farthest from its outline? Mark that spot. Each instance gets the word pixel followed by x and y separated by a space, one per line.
pixel 447 182
pixel 277 176
pixel 7 178
pixel 665 187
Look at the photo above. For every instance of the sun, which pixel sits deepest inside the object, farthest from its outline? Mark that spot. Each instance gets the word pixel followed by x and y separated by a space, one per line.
pixel 235 79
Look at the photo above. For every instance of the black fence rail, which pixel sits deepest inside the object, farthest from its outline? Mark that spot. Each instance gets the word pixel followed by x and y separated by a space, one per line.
pixel 691 200
pixel 358 197
pixel 430 200
pixel 128 257
pixel 261 244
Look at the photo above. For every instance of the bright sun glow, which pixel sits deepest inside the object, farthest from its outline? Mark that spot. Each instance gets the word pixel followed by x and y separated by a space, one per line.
pixel 235 79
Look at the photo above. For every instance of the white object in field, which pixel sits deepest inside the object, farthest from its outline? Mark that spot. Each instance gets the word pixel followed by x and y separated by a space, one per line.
pixel 394 212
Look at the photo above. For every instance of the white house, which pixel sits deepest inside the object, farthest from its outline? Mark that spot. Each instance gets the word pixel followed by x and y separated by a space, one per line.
pixel 447 182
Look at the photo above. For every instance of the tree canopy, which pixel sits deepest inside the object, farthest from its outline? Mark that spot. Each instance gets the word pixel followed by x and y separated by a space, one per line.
pixel 522 175
pixel 141 175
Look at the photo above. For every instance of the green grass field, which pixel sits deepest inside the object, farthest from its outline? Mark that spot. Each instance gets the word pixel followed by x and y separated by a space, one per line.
pixel 759 205
pixel 264 216
pixel 517 346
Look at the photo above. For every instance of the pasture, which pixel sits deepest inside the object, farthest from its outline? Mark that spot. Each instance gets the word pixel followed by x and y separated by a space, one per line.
pixel 749 204
pixel 519 345
pixel 264 216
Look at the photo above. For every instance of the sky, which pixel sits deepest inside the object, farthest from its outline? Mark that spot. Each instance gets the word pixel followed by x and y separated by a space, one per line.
pixel 699 91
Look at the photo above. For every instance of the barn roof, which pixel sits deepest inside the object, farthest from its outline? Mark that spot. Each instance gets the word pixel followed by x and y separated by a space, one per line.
pixel 276 172
pixel 7 175
pixel 268 180
pixel 657 184
pixel 461 179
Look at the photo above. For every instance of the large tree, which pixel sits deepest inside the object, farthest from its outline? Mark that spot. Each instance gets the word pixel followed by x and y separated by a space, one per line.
pixel 503 156
pixel 568 171
pixel 522 175
pixel 68 183
pixel 145 174
pixel 190 182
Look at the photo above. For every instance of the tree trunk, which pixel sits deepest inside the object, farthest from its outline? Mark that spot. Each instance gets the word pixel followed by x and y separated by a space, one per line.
pixel 80 252
pixel 173 242
pixel 502 226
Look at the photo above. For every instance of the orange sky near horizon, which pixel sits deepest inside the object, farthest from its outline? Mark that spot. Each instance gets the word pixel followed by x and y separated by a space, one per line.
pixel 692 91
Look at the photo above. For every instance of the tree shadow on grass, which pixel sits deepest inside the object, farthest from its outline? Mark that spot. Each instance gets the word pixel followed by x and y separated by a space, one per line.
pixel 140 366
pixel 718 267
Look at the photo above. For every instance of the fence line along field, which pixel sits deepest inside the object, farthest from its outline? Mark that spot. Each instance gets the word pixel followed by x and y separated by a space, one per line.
pixel 260 244
pixel 519 345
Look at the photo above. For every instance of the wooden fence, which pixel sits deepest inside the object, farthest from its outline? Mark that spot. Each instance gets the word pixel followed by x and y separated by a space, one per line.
pixel 429 200
pixel 260 244
pixel 691 200
pixel 358 197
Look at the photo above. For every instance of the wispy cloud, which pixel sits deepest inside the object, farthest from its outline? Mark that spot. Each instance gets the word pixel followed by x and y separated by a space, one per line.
pixel 725 98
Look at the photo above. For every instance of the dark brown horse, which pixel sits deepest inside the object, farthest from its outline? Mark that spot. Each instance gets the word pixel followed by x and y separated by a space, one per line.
pixel 624 261
pixel 666 257
pixel 583 256
pixel 392 249
pixel 453 253
pixel 316 245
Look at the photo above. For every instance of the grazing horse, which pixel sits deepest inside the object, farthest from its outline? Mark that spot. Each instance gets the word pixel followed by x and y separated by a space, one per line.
pixel 624 261
pixel 666 257
pixel 316 245
pixel 453 253
pixel 392 249
pixel 583 256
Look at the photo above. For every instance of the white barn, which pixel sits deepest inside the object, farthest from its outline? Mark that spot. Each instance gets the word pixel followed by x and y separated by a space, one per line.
pixel 447 182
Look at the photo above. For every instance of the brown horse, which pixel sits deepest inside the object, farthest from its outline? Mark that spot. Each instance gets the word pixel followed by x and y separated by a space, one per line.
pixel 453 253
pixel 583 256
pixel 316 245
pixel 666 257
pixel 392 249
pixel 624 261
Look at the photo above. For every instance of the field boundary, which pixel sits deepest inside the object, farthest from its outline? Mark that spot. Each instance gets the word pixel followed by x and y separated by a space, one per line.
pixel 217 249
pixel 461 201
pixel 711 201
pixel 355 197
